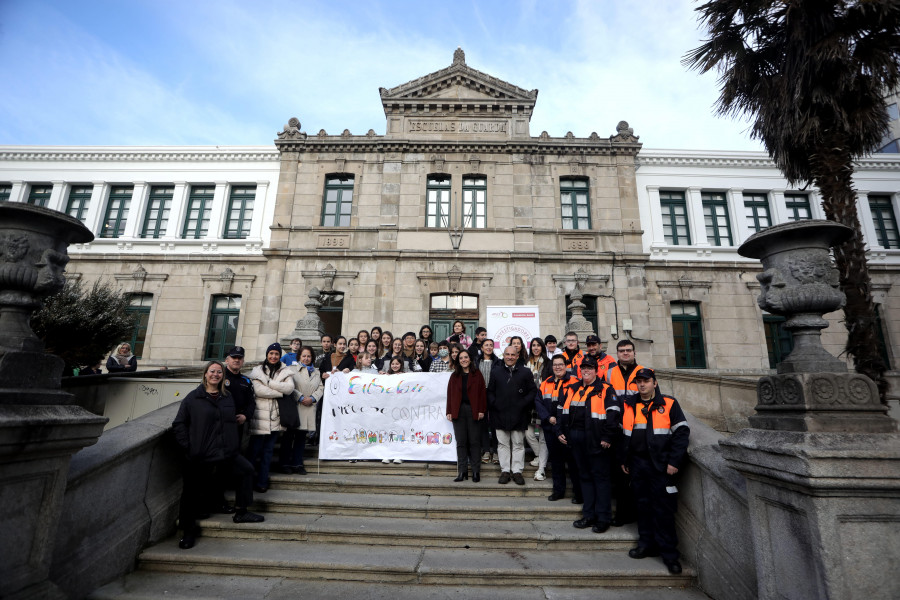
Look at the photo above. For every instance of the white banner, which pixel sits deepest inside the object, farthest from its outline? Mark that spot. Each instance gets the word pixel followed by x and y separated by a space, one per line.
pixel 386 416
pixel 504 322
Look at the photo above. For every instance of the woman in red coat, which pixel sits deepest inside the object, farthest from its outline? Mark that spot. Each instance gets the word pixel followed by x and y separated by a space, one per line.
pixel 466 407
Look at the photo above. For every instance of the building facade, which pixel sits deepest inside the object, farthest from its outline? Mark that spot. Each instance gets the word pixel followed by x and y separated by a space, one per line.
pixel 457 207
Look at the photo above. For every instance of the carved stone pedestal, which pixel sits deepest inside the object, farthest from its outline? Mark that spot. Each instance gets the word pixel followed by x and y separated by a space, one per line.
pixel 824 512
pixel 310 328
pixel 36 445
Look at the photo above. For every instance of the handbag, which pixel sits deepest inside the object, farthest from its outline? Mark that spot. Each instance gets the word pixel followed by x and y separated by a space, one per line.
pixel 288 413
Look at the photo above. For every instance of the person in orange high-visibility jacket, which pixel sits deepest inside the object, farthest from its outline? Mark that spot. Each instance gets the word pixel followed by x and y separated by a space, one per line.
pixel 620 376
pixel 573 355
pixel 604 360
pixel 588 420
pixel 657 437
pixel 551 395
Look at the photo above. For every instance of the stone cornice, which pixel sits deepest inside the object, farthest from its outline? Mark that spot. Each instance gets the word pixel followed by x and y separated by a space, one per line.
pixel 593 145
pixel 732 159
pixel 139 153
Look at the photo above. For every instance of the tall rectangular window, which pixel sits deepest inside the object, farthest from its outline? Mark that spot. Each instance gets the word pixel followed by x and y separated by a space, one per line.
pixel 116 211
pixel 79 199
pixel 338 201
pixel 885 221
pixel 715 213
pixel 223 322
pixel 199 208
pixel 437 201
pixel 39 194
pixel 779 341
pixel 475 202
pixel 675 219
pixel 156 219
pixel 797 206
pixel 687 331
pixel 5 192
pixel 576 203
pixel 240 211
pixel 757 211
pixel 139 304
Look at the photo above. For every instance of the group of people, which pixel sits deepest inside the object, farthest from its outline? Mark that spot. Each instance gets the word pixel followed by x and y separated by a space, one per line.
pixel 600 419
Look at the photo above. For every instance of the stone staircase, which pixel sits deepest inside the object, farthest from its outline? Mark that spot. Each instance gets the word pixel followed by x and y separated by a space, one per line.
pixel 398 531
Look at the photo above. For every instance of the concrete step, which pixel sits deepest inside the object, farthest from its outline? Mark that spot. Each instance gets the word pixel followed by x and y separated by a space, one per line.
pixel 424 484
pixel 144 585
pixel 423 533
pixel 522 508
pixel 434 566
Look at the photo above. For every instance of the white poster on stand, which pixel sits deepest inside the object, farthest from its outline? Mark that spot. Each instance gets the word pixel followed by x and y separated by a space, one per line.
pixel 373 417
pixel 504 322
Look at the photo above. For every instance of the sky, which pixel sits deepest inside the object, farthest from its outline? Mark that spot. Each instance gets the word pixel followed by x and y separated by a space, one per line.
pixel 229 72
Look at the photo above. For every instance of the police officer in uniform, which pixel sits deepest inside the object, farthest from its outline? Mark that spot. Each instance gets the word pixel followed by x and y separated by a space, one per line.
pixel 657 436
pixel 240 388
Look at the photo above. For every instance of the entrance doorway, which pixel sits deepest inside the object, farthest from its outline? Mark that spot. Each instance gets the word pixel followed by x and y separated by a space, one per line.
pixel 446 308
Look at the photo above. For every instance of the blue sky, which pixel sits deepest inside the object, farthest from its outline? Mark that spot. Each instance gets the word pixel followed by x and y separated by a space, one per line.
pixel 225 72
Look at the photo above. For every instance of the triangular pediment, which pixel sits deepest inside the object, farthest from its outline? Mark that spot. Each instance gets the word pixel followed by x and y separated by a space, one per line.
pixel 458 82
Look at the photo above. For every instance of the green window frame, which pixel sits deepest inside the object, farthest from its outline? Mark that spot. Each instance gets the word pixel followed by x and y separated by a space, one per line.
pixel 79 200
pixel 779 341
pixel 575 202
pixel 475 201
pixel 224 313
pixel 5 192
pixel 885 221
pixel 199 208
pixel 715 215
pixel 687 332
pixel 140 305
pixel 437 201
pixel 797 206
pixel 116 211
pixel 337 202
pixel 240 211
pixel 39 194
pixel 159 206
pixel 758 212
pixel 675 218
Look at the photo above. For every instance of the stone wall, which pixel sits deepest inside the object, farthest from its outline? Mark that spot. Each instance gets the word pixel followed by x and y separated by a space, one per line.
pixel 122 495
pixel 713 520
pixel 721 402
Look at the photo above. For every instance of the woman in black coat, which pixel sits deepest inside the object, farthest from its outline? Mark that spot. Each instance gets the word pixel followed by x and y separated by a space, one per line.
pixel 206 429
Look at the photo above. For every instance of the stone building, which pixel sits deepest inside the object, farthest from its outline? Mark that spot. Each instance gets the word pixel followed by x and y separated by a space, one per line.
pixel 455 208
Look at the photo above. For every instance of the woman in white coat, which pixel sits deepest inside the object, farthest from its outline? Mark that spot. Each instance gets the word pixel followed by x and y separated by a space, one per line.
pixel 271 381
pixel 308 390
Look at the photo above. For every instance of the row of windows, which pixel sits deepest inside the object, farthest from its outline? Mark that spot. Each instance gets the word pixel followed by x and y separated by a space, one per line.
pixel 159 205
pixel 676 230
pixel 221 333
pixel 337 201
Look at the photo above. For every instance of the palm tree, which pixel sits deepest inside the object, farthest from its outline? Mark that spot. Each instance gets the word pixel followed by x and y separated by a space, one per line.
pixel 812 76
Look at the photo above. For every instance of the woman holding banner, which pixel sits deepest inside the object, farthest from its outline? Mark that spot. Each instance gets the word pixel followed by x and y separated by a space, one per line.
pixel 466 407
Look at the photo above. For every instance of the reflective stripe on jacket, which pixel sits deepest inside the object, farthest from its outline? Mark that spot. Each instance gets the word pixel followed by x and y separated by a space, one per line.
pixel 617 381
pixel 667 429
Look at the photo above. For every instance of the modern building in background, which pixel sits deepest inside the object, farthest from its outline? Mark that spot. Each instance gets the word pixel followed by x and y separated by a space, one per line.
pixel 457 207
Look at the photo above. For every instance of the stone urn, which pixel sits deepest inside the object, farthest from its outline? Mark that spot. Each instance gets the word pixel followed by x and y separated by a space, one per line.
pixel 813 390
pixel 33 242
pixel 40 427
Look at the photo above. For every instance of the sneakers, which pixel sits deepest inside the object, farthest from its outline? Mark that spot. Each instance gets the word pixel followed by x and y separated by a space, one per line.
pixel 539 476
pixel 535 462
pixel 486 457
pixel 504 477
pixel 517 477
pixel 397 461
pixel 245 516
pixel 386 461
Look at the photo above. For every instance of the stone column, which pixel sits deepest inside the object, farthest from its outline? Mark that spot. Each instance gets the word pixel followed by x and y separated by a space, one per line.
pixel 578 324
pixel 822 458
pixel 310 328
pixel 40 426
